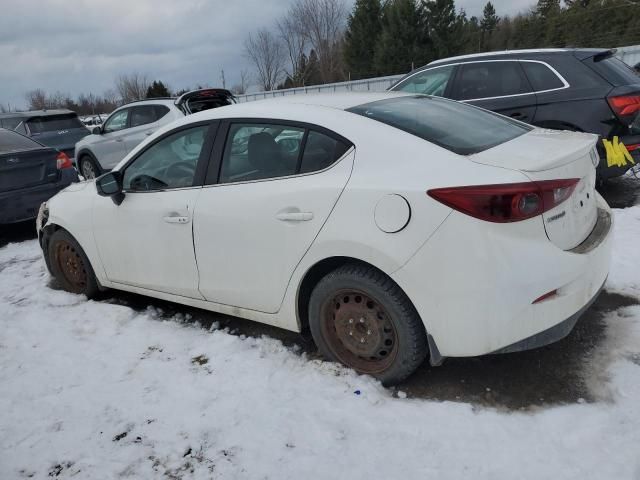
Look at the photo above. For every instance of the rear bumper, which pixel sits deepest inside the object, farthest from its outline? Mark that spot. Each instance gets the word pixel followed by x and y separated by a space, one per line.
pixel 475 284
pixel 23 204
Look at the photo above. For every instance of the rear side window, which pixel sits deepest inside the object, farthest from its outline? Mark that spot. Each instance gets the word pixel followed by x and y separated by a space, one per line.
pixel 614 70
pixel 11 123
pixel 53 123
pixel 541 77
pixel 260 151
pixel 428 82
pixel 13 142
pixel 143 115
pixel 490 79
pixel 161 111
pixel 460 128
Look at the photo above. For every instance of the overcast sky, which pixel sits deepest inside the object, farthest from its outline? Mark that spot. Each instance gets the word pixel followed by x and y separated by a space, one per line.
pixel 80 46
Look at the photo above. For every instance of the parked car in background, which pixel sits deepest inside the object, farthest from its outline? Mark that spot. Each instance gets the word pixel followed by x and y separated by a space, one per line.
pixel 30 173
pixel 393 226
pixel 585 90
pixel 91 121
pixel 130 124
pixel 59 129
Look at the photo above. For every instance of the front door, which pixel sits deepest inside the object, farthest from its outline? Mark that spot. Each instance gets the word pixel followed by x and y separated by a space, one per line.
pixel 277 187
pixel 147 240
pixel 109 149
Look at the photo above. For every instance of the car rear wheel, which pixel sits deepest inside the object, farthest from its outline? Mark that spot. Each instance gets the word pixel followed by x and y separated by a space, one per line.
pixel 359 317
pixel 88 168
pixel 70 265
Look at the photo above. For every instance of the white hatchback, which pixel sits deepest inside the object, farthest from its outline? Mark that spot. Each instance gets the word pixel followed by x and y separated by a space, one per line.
pixel 392 226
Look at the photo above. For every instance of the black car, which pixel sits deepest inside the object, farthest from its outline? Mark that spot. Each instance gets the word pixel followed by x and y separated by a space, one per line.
pixel 60 129
pixel 587 90
pixel 30 173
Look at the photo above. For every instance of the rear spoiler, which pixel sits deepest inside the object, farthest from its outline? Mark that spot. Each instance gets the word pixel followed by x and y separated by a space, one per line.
pixel 202 94
pixel 595 54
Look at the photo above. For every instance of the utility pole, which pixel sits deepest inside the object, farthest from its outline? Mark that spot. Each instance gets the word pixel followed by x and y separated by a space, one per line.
pixel 224 83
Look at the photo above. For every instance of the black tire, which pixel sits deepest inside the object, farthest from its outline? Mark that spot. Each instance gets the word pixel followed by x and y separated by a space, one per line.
pixel 380 333
pixel 70 265
pixel 88 168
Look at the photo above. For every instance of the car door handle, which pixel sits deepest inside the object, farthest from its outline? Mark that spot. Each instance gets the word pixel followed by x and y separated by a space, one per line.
pixel 295 216
pixel 119 140
pixel 148 132
pixel 176 219
pixel 518 116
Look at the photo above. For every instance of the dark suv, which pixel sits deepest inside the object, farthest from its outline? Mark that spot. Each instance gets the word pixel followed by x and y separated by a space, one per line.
pixel 587 90
pixel 59 129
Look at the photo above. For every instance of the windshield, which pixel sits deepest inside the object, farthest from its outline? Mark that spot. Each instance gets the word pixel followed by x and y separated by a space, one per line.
pixel 14 142
pixel 458 127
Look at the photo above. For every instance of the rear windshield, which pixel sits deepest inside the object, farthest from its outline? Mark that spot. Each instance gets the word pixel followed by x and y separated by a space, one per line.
pixel 614 70
pixel 14 142
pixel 460 128
pixel 10 123
pixel 54 123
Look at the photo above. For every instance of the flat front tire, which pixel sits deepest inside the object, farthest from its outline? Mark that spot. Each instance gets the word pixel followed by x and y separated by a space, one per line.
pixel 361 318
pixel 70 265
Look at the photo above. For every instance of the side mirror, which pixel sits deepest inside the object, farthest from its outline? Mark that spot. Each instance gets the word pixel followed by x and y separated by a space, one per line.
pixel 96 130
pixel 110 185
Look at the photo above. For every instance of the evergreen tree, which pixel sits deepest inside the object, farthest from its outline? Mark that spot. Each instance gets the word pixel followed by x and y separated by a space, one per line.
pixel 444 27
pixel 488 24
pixel 363 30
pixel 402 43
pixel 158 89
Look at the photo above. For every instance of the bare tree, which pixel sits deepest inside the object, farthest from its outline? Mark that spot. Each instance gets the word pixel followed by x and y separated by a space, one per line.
pixel 266 53
pixel 241 88
pixel 294 39
pixel 132 87
pixel 36 99
pixel 323 23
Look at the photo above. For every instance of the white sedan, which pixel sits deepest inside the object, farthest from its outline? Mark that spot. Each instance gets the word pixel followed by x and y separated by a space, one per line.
pixel 392 226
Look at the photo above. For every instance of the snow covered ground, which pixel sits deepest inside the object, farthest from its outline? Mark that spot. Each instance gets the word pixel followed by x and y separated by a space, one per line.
pixel 97 391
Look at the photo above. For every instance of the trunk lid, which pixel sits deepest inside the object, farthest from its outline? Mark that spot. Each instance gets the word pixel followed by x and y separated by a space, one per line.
pixel 553 155
pixel 27 168
pixel 204 99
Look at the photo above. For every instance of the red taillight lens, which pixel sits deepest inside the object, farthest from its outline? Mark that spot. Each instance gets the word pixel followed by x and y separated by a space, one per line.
pixel 62 161
pixel 631 148
pixel 508 202
pixel 625 105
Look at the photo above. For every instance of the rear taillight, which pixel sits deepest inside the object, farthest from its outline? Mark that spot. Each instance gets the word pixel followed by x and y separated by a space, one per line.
pixel 625 105
pixel 62 161
pixel 508 202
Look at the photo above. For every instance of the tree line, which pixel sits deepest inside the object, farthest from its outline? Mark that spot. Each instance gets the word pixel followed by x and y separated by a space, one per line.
pixel 319 41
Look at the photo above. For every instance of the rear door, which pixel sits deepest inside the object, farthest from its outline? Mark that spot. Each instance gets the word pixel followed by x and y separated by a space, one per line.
pixel 143 121
pixel 497 85
pixel 278 182
pixel 25 163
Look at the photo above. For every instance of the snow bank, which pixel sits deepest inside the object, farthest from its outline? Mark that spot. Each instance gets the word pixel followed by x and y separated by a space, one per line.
pixel 93 390
pixel 624 277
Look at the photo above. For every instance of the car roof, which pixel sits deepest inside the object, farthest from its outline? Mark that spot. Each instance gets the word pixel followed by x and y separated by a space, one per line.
pixel 337 100
pixel 151 101
pixel 37 113
pixel 582 52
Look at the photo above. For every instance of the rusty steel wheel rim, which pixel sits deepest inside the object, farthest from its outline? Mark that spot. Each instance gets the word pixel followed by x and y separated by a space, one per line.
pixel 359 331
pixel 71 265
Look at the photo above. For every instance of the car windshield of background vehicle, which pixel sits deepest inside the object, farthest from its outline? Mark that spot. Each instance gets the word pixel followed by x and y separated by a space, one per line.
pixel 428 82
pixel 54 123
pixel 460 128
pixel 12 142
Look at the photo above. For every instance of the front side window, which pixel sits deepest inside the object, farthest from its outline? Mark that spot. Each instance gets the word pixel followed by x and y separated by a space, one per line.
pixel 490 79
pixel 142 115
pixel 118 121
pixel 169 163
pixel 429 82
pixel 460 128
